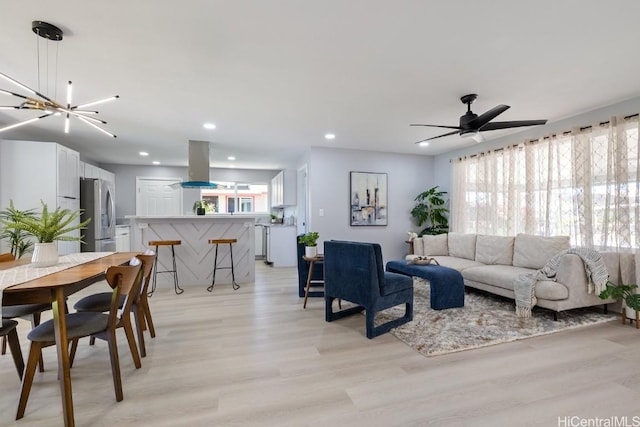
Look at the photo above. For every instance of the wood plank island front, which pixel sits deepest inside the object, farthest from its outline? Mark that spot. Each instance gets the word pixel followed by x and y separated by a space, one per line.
pixel 194 257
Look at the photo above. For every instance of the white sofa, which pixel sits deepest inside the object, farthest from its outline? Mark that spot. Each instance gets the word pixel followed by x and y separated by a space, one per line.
pixel 492 263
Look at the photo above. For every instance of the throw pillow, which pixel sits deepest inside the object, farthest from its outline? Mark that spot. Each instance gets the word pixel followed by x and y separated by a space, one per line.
pixel 494 249
pixel 423 260
pixel 534 251
pixel 435 245
pixel 462 245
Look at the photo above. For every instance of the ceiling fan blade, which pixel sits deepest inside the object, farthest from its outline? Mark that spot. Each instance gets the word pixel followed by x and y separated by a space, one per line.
pixel 438 126
pixel 439 136
pixel 485 118
pixel 513 124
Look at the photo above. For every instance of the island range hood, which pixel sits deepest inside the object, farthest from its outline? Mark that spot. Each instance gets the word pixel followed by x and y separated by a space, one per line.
pixel 198 167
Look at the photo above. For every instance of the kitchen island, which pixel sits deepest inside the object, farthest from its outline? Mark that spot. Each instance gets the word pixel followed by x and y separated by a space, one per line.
pixel 195 255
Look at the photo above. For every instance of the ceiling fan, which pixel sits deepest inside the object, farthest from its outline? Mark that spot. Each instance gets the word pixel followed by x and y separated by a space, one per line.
pixel 471 124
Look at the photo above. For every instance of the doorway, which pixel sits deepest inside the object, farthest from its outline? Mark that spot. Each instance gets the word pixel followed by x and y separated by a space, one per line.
pixel 302 197
pixel 154 196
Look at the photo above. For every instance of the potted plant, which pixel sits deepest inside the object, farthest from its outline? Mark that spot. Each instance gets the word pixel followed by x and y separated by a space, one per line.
pixel 18 238
pixel 200 207
pixel 48 228
pixel 431 209
pixel 627 295
pixel 310 242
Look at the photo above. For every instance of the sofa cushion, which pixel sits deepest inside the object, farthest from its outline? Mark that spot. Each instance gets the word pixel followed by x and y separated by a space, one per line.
pixel 462 245
pixel 435 245
pixel 456 263
pixel 534 251
pixel 494 249
pixel 503 276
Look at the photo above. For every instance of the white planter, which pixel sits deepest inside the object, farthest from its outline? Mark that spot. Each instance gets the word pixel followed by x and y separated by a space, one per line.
pixel 631 313
pixel 310 251
pixel 44 255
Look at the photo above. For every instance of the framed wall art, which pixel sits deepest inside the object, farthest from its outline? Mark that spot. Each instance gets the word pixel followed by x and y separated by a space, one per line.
pixel 369 201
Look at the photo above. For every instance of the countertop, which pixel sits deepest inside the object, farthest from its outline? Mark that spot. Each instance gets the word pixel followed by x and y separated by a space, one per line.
pixel 194 217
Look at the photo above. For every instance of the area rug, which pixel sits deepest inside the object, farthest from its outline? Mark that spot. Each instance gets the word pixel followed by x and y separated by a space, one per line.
pixel 483 321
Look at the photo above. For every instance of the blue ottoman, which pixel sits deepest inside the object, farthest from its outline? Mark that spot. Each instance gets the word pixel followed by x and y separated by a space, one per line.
pixel 447 286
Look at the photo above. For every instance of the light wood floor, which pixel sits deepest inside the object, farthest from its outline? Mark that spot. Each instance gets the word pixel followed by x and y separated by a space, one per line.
pixel 254 357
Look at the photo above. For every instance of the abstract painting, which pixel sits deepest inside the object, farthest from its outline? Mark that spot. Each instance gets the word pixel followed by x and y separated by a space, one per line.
pixel 368 198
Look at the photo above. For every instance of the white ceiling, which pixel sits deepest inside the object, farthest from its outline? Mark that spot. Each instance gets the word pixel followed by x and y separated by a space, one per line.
pixel 276 75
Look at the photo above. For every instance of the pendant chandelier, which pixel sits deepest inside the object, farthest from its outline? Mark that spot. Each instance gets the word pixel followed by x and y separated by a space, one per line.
pixel 35 100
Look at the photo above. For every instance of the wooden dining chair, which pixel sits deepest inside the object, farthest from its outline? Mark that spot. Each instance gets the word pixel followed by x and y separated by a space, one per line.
pixel 31 312
pixel 100 302
pixel 8 330
pixel 122 280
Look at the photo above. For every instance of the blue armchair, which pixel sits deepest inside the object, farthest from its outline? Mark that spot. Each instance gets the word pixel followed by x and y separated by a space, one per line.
pixel 317 278
pixel 354 272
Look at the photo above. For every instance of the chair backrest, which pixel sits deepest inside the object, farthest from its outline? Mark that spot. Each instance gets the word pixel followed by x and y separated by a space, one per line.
pixel 147 258
pixel 353 270
pixel 6 257
pixel 122 279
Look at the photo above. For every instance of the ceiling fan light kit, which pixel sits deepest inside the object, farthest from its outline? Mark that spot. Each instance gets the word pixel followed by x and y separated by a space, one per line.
pixel 472 124
pixel 38 101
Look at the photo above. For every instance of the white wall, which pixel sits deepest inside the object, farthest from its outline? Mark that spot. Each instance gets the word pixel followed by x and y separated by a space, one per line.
pixel 442 164
pixel 407 176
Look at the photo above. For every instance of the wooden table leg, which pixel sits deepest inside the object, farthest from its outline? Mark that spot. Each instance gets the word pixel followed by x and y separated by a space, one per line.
pixel 62 346
pixel 306 289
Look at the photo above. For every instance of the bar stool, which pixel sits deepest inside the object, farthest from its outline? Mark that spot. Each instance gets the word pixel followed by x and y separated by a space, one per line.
pixel 215 262
pixel 171 243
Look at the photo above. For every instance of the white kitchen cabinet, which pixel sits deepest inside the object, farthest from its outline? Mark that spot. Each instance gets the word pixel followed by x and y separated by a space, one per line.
pixel 123 242
pixel 91 171
pixel 283 189
pixel 32 171
pixel 282 250
pixel 68 165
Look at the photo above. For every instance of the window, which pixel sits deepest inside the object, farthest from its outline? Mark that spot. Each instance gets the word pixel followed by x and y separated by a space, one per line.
pixel 585 185
pixel 236 197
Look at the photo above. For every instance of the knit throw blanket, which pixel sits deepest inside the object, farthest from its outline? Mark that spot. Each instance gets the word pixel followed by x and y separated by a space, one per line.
pixel 525 285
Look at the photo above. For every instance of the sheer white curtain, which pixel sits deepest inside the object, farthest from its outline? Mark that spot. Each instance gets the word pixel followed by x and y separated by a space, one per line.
pixel 585 184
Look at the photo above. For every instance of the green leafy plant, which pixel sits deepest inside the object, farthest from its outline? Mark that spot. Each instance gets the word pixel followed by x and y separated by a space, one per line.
pixel 50 226
pixel 199 204
pixel 431 209
pixel 625 293
pixel 18 239
pixel 309 239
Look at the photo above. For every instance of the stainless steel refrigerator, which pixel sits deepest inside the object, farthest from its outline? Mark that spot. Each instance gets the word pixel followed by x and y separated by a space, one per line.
pixel 96 200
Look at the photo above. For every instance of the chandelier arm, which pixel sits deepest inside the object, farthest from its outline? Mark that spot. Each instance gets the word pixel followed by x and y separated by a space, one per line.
pixel 99 101
pixel 24 122
pixel 6 92
pixel 27 88
pixel 84 119
pixel 78 115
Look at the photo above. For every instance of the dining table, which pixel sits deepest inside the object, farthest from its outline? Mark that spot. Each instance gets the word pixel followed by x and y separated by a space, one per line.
pixel 54 288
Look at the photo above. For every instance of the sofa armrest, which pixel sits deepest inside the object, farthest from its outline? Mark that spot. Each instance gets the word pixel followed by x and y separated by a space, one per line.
pixel 572 274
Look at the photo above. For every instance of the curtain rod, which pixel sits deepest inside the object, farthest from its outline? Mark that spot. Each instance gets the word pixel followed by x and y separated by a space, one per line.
pixel 568 132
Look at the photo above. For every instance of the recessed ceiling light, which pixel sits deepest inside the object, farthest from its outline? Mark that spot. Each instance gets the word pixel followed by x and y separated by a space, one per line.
pixel 144 153
pixel 231 158
pixel 209 126
pixel 155 162
pixel 329 136
pixel 424 144
pixel 232 166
